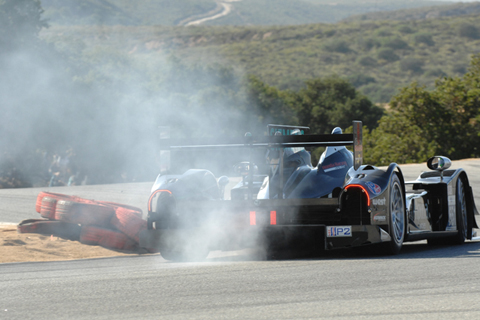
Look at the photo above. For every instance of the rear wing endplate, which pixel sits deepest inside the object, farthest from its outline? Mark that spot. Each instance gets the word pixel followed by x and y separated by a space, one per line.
pixel 357 144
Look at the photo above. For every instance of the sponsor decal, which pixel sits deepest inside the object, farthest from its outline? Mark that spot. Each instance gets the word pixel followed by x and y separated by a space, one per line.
pixel 379 218
pixel 340 231
pixel 379 202
pixel 334 166
pixel 375 188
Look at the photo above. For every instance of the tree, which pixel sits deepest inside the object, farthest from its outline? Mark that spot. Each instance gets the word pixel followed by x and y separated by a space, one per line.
pixel 269 104
pixel 445 120
pixel 331 102
pixel 396 140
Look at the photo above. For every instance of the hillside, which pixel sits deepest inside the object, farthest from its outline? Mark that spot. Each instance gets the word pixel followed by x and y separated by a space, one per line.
pixel 458 9
pixel 244 12
pixel 378 57
pixel 123 12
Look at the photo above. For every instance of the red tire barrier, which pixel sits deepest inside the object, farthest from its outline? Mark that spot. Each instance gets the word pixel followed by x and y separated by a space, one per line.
pixel 115 205
pixel 128 222
pixel 84 213
pixel 27 226
pixel 60 229
pixel 106 238
pixel 56 196
pixel 47 209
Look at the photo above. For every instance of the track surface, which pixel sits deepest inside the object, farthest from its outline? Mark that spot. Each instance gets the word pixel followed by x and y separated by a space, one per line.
pixel 422 282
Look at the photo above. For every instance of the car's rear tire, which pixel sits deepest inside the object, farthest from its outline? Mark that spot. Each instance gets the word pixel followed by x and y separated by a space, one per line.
pixel 179 244
pixel 397 217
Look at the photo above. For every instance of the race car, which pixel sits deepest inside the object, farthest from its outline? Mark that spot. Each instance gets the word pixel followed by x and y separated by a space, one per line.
pixel 337 203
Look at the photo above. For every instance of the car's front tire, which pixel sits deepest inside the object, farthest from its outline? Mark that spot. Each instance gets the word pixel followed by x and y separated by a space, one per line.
pixel 397 217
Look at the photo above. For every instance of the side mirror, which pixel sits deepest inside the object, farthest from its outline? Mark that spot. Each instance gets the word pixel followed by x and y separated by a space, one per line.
pixel 243 168
pixel 439 163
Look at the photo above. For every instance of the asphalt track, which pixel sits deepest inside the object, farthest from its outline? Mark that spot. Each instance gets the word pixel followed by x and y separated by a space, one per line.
pixel 422 282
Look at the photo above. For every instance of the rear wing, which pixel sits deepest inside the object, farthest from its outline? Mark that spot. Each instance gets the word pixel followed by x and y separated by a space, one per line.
pixel 272 142
pixel 275 141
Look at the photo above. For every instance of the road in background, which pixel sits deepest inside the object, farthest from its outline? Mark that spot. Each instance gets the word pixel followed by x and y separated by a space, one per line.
pixel 224 7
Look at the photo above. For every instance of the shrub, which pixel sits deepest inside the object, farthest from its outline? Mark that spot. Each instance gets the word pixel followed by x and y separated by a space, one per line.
pixel 337 46
pixel 368 43
pixel 360 79
pixel 469 31
pixel 396 44
pixel 383 32
pixel 437 72
pixel 459 68
pixel 424 38
pixel 367 61
pixel 411 64
pixel 388 55
pixel 405 29
pixel 330 33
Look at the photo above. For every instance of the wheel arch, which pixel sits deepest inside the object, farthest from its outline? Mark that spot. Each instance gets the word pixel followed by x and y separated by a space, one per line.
pixel 394 168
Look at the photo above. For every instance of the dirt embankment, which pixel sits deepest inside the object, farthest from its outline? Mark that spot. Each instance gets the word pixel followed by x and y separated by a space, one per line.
pixel 22 247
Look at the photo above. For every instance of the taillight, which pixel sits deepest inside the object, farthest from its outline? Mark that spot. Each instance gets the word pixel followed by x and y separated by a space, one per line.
pixel 253 218
pixel 273 217
pixel 153 196
pixel 363 190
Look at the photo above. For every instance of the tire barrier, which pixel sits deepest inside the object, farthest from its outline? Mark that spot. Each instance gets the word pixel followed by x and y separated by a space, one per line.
pixel 65 230
pixel 106 238
pixel 108 224
pixel 82 213
pixel 128 222
pixel 134 210
pixel 48 207
pixel 56 196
